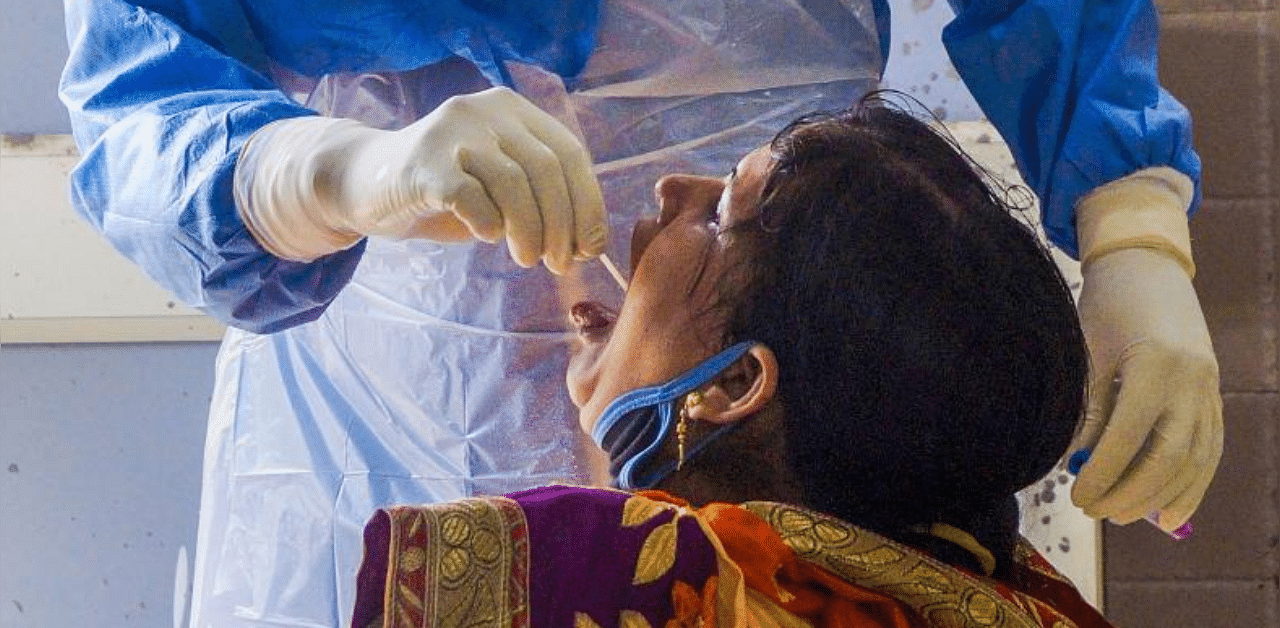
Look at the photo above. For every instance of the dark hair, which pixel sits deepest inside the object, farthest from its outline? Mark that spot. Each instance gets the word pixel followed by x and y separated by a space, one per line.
pixel 931 359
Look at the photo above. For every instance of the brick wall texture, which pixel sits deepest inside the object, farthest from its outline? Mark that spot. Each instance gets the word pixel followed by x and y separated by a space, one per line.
pixel 1220 58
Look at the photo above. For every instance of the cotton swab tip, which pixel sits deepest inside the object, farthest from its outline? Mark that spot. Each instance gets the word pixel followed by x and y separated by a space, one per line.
pixel 613 270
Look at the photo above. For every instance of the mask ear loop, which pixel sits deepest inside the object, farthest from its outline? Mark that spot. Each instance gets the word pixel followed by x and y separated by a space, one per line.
pixel 663 396
pixel 627 479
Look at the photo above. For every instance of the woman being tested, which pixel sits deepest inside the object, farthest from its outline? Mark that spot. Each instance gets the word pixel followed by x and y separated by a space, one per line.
pixel 838 364
pixel 316 174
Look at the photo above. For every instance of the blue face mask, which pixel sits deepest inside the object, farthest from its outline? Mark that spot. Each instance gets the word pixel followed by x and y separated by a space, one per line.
pixel 633 426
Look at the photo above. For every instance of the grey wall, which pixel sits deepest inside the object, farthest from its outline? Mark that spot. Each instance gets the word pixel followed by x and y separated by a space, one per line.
pixel 100 445
pixel 100 454
pixel 33 47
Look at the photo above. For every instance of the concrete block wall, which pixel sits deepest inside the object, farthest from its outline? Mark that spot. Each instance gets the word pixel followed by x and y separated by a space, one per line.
pixel 1220 58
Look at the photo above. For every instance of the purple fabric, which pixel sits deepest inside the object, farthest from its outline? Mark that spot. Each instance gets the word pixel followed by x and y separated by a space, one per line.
pixel 583 561
pixel 372 578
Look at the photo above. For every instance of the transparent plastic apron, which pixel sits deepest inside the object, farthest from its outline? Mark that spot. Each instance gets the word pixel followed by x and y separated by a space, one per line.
pixel 439 371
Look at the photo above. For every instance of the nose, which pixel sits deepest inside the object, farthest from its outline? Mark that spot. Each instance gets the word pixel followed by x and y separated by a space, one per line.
pixel 677 193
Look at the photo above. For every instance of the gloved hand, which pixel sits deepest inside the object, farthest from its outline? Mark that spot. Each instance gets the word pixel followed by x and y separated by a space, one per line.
pixel 1154 415
pixel 488 165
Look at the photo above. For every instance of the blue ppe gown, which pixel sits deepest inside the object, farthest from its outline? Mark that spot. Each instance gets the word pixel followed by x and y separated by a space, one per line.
pixel 1073 89
pixel 409 371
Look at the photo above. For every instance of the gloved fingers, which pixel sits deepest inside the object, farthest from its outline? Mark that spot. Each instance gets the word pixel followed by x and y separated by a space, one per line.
pixel 1208 452
pixel 1097 409
pixel 1182 508
pixel 546 178
pixel 1101 399
pixel 1149 486
pixel 589 220
pixel 507 184
pixel 468 200
pixel 439 227
pixel 1137 406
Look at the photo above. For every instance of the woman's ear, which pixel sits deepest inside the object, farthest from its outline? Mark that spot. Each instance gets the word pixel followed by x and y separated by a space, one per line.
pixel 748 385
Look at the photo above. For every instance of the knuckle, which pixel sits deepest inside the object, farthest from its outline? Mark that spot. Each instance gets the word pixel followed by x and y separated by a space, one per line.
pixel 1153 355
pixel 459 196
pixel 494 96
pixel 455 104
pixel 509 175
pixel 543 159
pixel 1177 362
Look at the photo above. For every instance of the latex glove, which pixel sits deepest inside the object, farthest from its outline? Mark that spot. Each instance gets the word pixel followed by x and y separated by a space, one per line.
pixel 489 165
pixel 1154 415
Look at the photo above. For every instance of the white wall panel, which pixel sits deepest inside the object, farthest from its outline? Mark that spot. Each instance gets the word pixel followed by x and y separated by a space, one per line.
pixel 60 281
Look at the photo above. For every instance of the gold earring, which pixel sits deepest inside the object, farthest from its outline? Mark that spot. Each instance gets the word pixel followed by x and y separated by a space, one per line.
pixel 691 401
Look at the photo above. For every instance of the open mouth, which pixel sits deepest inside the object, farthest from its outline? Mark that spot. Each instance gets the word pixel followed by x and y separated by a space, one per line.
pixel 591 318
pixel 594 323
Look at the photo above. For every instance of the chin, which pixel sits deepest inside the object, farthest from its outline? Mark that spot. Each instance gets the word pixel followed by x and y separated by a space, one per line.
pixel 585 423
pixel 578 388
pixel 588 414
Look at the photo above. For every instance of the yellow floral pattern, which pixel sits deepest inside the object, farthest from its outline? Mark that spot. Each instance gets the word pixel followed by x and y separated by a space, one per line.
pixel 473 552
pixel 632 619
pixel 658 554
pixel 639 510
pixel 656 557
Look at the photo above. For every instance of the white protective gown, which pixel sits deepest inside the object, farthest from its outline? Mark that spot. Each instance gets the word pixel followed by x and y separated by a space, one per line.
pixel 438 371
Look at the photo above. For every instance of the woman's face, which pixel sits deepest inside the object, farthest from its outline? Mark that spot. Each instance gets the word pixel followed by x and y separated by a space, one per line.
pixel 678 261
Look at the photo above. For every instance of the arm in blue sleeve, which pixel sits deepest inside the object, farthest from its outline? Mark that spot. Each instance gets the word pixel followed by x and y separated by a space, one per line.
pixel 1072 87
pixel 160 115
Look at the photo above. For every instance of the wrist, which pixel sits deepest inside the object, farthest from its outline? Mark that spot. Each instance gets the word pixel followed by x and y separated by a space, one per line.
pixel 1145 210
pixel 289 184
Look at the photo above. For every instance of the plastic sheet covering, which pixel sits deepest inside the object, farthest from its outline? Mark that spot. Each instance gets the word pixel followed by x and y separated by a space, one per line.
pixel 438 372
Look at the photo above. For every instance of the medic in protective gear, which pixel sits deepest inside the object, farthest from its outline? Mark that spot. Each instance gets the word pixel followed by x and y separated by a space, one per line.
pixel 361 371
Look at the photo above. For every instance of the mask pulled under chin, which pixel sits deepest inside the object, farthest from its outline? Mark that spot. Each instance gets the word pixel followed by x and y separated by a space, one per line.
pixel 633 426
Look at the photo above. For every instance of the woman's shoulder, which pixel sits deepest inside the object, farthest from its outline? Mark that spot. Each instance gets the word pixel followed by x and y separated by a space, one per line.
pixel 568 495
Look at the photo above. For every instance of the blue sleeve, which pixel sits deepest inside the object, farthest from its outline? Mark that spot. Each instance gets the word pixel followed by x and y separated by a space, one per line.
pixel 1072 87
pixel 160 114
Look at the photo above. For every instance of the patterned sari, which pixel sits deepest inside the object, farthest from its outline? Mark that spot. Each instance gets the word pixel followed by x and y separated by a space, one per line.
pixel 598 558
